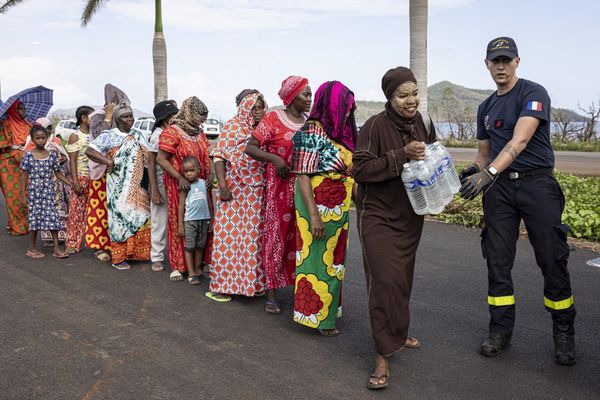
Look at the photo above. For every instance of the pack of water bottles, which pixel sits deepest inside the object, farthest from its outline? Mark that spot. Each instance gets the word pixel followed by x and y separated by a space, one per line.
pixel 432 183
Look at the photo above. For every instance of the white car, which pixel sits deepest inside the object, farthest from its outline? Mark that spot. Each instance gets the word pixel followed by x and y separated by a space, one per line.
pixel 212 128
pixel 64 128
pixel 144 125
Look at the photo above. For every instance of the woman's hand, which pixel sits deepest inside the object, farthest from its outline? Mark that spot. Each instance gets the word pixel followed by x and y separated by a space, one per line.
pixel 184 185
pixel 415 151
pixel 77 189
pixel 181 230
pixel 225 194
pixel 110 166
pixel 156 197
pixel 317 228
pixel 281 167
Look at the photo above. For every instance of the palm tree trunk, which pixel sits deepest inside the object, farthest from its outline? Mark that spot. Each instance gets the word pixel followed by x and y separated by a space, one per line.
pixel 418 47
pixel 159 57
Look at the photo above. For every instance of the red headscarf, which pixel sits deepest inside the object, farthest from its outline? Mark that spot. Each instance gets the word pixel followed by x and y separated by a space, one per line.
pixel 291 87
pixel 18 126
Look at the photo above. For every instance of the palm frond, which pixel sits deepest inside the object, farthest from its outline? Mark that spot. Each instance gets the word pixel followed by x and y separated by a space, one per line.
pixel 91 7
pixel 9 4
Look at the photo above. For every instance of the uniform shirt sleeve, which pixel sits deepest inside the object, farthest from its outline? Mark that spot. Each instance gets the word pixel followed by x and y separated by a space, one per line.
pixel 481 132
pixel 536 103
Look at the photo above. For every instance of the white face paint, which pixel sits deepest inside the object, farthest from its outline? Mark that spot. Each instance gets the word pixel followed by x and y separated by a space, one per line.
pixel 405 100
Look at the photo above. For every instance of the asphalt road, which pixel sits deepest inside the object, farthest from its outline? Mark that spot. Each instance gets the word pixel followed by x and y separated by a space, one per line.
pixel 78 329
pixel 574 162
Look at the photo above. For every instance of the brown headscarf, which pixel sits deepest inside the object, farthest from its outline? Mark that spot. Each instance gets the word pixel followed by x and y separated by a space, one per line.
pixel 190 115
pixel 389 83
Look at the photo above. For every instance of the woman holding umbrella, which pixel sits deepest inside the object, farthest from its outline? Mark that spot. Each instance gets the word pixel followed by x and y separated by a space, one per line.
pixel 13 134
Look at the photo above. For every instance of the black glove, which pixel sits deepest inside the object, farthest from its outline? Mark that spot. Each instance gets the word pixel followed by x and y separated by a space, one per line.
pixel 468 171
pixel 474 184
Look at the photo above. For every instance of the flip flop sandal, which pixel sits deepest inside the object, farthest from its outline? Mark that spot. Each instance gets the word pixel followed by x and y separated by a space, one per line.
pixel 60 255
pixel 194 279
pixel 329 332
pixel 176 276
pixel 102 255
pixel 221 298
pixel 272 307
pixel 260 294
pixel 412 343
pixel 377 385
pixel 122 266
pixel 71 250
pixel 36 255
pixel 157 266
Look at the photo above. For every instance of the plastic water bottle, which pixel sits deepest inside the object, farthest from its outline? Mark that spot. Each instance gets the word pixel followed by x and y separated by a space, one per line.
pixel 414 190
pixel 435 158
pixel 427 180
pixel 447 167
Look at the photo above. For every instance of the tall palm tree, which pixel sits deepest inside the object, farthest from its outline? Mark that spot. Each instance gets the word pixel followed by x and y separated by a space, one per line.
pixel 418 47
pixel 159 46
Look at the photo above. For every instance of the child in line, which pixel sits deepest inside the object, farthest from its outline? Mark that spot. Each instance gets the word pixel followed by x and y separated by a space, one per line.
pixel 194 218
pixel 80 174
pixel 41 165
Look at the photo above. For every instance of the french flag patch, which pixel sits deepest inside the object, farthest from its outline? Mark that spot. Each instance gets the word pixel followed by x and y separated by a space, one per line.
pixel 534 106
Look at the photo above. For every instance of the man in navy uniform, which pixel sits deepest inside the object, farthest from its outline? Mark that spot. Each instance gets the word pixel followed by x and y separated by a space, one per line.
pixel 513 167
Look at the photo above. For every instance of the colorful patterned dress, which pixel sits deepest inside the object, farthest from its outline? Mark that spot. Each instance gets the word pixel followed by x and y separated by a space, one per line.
pixel 43 210
pixel 78 206
pixel 320 265
pixel 128 203
pixel 274 133
pixel 236 265
pixel 60 191
pixel 180 145
pixel 11 154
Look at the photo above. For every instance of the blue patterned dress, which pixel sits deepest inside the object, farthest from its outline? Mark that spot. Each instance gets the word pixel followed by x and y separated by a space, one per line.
pixel 43 210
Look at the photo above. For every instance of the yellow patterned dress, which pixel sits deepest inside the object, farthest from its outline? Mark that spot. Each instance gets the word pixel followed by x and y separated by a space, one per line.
pixel 320 264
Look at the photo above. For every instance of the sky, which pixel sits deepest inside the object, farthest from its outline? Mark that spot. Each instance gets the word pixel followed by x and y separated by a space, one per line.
pixel 217 48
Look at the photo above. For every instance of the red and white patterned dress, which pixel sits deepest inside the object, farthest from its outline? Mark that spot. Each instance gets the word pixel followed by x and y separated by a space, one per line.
pixel 180 145
pixel 236 265
pixel 274 133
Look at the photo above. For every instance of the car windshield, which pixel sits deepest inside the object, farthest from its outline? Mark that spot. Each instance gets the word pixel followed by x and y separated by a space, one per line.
pixel 212 122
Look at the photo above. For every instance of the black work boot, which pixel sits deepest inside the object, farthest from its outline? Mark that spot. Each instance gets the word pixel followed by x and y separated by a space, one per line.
pixel 563 330
pixel 493 345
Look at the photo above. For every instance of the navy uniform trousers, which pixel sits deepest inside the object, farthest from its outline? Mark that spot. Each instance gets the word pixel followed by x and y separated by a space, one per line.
pixel 539 201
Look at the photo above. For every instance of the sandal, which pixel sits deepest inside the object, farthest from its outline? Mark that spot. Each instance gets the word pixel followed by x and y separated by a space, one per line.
pixel 412 343
pixel 72 250
pixel 157 266
pixel 329 332
pixel 260 294
pixel 272 307
pixel 35 254
pixel 102 255
pixel 375 382
pixel 221 298
pixel 60 254
pixel 176 276
pixel 194 279
pixel 122 266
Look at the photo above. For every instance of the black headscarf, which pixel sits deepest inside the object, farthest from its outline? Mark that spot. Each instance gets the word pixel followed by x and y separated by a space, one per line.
pixel 389 83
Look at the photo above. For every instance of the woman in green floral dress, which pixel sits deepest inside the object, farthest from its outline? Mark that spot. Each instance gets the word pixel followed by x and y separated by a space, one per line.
pixel 322 161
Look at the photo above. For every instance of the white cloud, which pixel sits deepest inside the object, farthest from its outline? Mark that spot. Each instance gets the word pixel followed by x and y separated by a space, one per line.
pixel 252 15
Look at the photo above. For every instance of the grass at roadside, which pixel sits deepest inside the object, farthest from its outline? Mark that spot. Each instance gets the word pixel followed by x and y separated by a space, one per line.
pixel 556 145
pixel 582 207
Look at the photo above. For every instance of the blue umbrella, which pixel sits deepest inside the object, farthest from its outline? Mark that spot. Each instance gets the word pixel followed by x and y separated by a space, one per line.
pixel 37 100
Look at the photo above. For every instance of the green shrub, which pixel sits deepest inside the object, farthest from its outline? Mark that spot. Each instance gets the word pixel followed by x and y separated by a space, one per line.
pixel 582 207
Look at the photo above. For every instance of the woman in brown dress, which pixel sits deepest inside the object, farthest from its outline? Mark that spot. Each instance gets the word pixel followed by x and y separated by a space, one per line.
pixel 388 227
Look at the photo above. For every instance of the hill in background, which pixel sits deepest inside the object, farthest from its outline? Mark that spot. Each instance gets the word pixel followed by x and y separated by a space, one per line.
pixel 446 100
